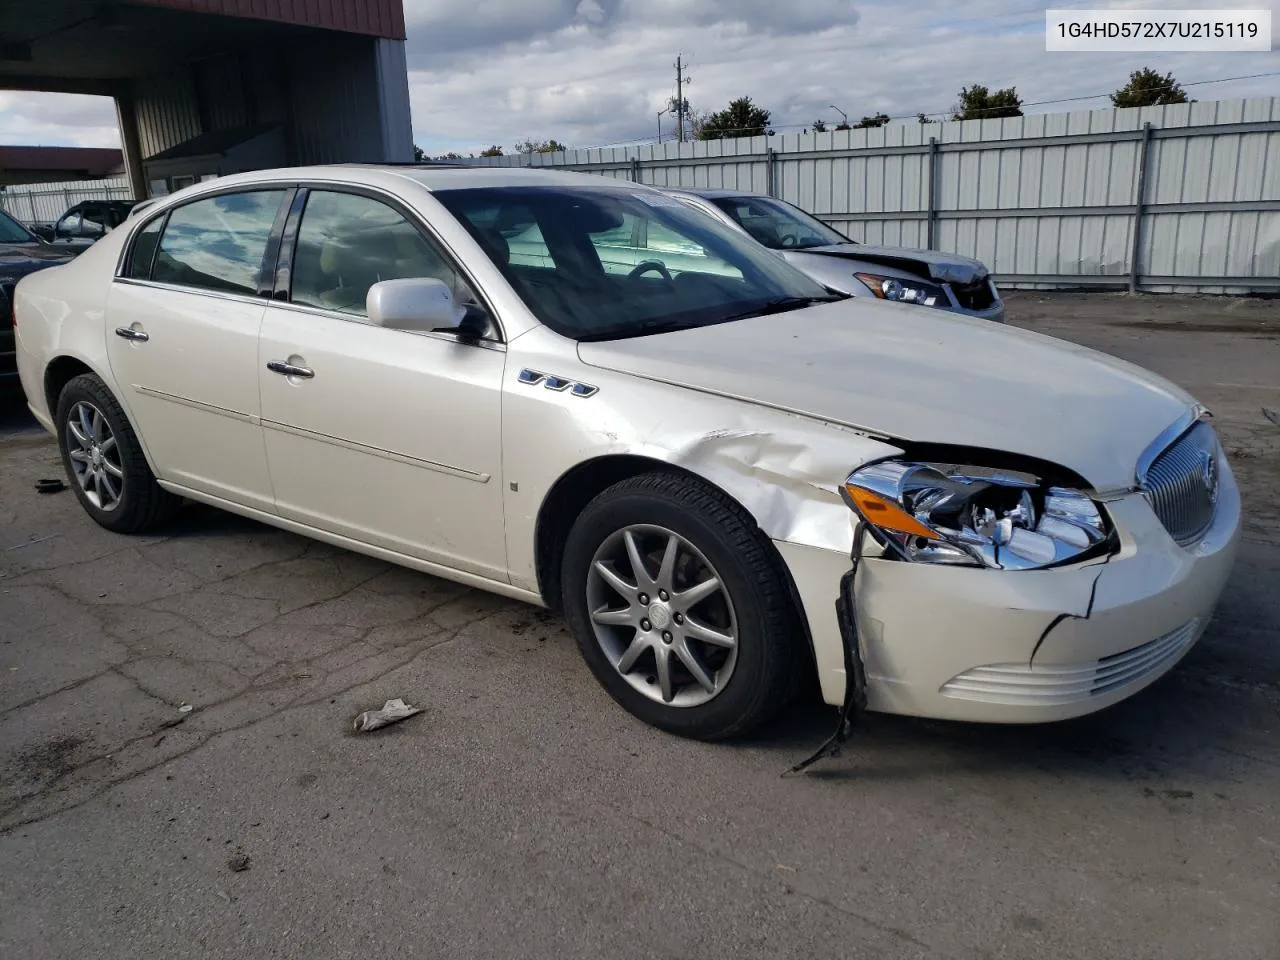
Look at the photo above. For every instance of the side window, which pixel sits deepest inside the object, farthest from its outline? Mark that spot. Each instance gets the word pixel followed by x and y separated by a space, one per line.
pixel 95 222
pixel 218 243
pixel 347 243
pixel 144 250
pixel 68 226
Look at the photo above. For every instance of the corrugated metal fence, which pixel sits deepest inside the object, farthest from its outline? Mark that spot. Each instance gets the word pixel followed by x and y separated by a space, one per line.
pixel 1179 198
pixel 46 202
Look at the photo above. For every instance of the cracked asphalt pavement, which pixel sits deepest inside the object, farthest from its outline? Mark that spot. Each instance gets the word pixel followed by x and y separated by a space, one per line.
pixel 524 815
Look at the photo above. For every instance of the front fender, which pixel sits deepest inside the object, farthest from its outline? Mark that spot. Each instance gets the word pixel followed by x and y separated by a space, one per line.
pixel 783 468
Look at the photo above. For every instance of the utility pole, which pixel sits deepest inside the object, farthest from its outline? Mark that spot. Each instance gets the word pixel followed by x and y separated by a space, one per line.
pixel 681 81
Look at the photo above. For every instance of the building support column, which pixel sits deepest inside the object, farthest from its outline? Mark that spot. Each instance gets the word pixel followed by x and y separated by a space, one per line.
pixel 130 146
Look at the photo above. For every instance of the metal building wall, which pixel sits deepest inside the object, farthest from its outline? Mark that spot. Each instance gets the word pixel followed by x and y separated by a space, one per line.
pixel 378 18
pixel 167 110
pixel 334 100
pixel 1048 200
pixel 341 98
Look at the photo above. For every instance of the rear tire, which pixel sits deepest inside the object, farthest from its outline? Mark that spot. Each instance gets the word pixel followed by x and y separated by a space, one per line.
pixel 685 534
pixel 104 461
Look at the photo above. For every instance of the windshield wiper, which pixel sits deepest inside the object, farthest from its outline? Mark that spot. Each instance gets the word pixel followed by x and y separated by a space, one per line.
pixel 642 328
pixel 669 325
pixel 784 305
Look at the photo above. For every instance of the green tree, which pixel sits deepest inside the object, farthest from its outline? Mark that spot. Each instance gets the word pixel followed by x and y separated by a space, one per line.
pixel 879 120
pixel 540 146
pixel 924 118
pixel 819 126
pixel 494 151
pixel 742 118
pixel 844 125
pixel 1146 88
pixel 979 103
pixel 451 155
pixel 418 154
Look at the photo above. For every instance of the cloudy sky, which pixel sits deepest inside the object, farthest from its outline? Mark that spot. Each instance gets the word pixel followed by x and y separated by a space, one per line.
pixel 596 72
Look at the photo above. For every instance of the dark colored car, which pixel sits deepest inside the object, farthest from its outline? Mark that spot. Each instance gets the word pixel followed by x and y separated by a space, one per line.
pixel 85 223
pixel 21 252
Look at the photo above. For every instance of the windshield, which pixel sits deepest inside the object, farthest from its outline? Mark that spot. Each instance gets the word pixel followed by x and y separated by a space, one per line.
pixel 11 231
pixel 778 225
pixel 604 263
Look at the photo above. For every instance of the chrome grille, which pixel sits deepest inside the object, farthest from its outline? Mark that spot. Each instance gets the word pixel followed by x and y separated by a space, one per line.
pixel 1182 484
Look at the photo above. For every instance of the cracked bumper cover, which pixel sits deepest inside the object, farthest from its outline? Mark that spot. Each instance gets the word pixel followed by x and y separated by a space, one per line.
pixel 1028 646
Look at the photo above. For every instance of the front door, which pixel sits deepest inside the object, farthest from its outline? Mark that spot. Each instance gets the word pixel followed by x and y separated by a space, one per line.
pixel 182 338
pixel 388 437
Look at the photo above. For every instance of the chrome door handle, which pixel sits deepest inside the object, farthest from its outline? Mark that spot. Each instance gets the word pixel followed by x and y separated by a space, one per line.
pixel 138 336
pixel 289 370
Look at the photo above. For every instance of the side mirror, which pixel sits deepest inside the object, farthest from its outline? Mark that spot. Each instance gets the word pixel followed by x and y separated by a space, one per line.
pixel 415 303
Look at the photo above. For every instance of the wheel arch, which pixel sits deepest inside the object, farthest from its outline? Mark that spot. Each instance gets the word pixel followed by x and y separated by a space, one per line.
pixel 60 371
pixel 64 368
pixel 583 482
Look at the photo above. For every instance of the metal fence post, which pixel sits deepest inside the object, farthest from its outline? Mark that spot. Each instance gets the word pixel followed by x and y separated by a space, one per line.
pixel 1139 201
pixel 932 217
pixel 635 170
pixel 770 158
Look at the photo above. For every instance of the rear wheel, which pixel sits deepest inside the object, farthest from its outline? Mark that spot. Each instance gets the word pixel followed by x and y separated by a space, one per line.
pixel 679 608
pixel 104 461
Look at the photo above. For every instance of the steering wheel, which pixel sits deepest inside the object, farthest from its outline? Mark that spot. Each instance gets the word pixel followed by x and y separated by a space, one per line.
pixel 788 240
pixel 645 266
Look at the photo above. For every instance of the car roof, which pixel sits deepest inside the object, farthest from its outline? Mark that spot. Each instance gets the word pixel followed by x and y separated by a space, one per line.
pixel 430 176
pixel 709 194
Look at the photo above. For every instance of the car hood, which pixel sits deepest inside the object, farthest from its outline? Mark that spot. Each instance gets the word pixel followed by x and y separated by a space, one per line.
pixel 942 267
pixel 17 259
pixel 922 376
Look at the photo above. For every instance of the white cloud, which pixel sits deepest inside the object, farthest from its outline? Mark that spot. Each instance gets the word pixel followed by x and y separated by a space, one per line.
pixel 590 11
pixel 591 72
pixel 58 119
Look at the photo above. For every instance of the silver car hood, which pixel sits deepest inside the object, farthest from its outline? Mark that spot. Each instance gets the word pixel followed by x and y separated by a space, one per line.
pixel 908 374
pixel 933 264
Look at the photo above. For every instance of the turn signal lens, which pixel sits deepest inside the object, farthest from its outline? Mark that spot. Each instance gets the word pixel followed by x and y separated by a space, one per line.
pixel 883 513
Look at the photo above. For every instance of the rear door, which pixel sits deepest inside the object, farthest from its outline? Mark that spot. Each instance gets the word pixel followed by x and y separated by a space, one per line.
pixel 385 436
pixel 182 337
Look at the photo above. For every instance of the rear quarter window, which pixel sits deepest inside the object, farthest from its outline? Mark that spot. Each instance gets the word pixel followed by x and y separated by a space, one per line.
pixel 144 250
pixel 218 243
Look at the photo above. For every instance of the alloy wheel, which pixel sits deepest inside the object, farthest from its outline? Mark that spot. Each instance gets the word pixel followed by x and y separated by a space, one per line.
pixel 95 456
pixel 662 615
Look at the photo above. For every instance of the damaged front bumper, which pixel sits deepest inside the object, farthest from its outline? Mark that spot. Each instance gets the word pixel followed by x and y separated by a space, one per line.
pixel 1024 646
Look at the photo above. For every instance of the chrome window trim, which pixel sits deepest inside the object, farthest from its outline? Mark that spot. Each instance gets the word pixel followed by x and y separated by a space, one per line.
pixel 355 318
pixel 196 291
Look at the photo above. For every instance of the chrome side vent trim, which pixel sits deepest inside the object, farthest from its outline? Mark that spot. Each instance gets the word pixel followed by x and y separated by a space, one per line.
pixel 559 384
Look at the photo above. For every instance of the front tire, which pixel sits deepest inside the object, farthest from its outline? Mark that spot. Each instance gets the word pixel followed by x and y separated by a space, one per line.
pixel 679 607
pixel 104 461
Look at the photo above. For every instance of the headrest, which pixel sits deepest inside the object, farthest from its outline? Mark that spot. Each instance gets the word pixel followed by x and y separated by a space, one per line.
pixel 496 246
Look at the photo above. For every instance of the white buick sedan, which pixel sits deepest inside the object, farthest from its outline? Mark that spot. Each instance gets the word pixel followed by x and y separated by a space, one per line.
pixel 583 394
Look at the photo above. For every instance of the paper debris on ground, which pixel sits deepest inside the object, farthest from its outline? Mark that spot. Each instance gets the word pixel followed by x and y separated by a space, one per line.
pixel 392 711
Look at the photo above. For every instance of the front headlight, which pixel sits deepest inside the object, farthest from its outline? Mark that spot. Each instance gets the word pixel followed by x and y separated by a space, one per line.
pixel 905 291
pixel 973 516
